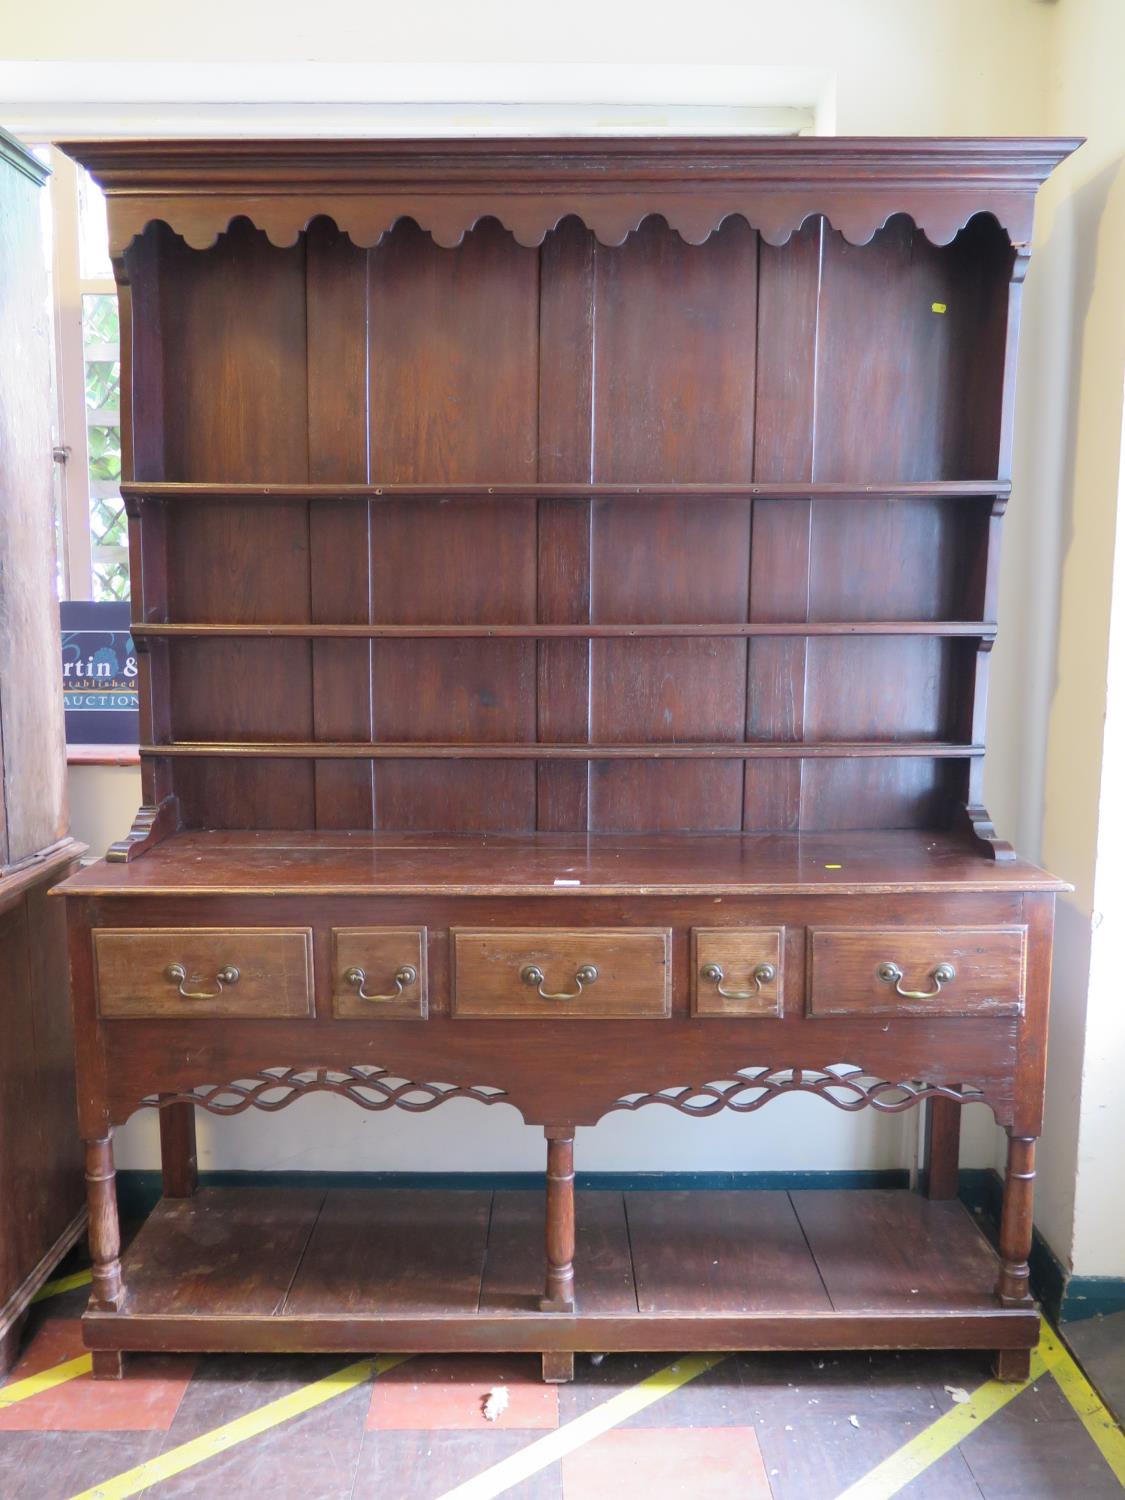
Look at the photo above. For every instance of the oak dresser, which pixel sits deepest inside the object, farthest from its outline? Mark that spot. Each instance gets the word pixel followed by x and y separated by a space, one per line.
pixel 565 574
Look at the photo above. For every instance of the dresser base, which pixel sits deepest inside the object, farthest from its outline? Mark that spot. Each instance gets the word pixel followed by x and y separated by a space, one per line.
pixel 408 1271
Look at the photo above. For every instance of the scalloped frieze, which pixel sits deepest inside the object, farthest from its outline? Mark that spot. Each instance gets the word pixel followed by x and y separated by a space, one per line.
pixel 366 187
pixel 365 221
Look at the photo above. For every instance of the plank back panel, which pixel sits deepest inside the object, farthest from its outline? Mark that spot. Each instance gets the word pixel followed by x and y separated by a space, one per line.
pixel 339 539
pixel 653 361
pixel 784 443
pixel 566 438
pixel 454 358
pixel 898 393
pixel 896 351
pixel 236 408
pixel 675 331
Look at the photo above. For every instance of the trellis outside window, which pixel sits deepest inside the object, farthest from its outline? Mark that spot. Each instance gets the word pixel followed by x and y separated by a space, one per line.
pixel 93 540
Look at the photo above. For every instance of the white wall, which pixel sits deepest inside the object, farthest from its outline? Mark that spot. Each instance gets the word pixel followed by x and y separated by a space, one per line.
pixel 867 66
pixel 1073 445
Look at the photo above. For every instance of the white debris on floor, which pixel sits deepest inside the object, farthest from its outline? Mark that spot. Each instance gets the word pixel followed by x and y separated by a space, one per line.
pixel 495 1402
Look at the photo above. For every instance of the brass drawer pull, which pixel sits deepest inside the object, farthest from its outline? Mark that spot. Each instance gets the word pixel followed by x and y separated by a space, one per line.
pixel 404 977
pixel 531 974
pixel 762 974
pixel 177 975
pixel 890 973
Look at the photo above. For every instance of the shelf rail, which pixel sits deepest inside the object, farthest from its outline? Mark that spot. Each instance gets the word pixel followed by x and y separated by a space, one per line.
pixel 200 630
pixel 952 489
pixel 433 750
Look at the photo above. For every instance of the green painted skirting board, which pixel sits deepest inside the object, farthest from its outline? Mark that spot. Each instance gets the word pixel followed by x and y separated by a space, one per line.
pixel 138 1191
pixel 1065 1298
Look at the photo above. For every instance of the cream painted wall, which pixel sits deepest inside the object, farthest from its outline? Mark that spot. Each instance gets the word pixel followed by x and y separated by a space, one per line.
pixel 866 66
pixel 1076 427
pixel 927 66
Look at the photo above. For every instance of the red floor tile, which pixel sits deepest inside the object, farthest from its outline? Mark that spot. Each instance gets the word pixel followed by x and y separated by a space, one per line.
pixel 448 1393
pixel 58 1340
pixel 145 1401
pixel 632 1463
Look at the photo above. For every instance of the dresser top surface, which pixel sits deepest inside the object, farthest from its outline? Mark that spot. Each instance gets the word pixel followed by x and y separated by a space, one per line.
pixel 543 864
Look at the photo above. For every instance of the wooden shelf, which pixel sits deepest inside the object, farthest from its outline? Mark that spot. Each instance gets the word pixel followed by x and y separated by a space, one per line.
pixel 400 1270
pixel 950 489
pixel 431 750
pixel 950 629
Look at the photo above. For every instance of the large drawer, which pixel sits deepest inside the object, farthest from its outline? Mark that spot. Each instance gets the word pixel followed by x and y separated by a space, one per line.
pixel 204 971
pixel 943 971
pixel 576 974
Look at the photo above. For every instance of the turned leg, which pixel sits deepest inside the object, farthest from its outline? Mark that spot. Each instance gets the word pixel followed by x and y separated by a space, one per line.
pixel 105 1232
pixel 559 1293
pixel 941 1159
pixel 558 1366
pixel 177 1150
pixel 105 1246
pixel 1015 1222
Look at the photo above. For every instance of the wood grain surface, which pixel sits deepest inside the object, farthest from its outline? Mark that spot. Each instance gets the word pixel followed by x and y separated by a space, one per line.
pixel 989 965
pixel 274 972
pixel 632 973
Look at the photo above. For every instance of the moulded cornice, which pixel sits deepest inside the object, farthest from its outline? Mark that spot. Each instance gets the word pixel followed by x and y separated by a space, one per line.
pixel 198 188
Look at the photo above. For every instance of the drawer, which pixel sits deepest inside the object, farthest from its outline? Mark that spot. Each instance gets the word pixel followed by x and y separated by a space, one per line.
pixel 204 971
pixel 379 972
pixel 736 971
pixel 541 974
pixel 943 971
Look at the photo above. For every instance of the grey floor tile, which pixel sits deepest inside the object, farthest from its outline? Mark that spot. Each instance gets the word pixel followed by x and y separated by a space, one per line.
pixel 55 1465
pixel 1099 1346
pixel 1037 1449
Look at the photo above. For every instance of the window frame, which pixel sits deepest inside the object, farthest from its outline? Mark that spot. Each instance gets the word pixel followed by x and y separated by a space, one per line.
pixel 75 489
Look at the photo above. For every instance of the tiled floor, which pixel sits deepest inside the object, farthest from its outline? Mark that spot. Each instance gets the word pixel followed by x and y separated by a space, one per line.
pixel 781 1427
pixel 1100 1345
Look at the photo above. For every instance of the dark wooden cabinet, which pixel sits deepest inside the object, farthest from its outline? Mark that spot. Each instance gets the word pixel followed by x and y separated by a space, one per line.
pixel 41 1198
pixel 565 574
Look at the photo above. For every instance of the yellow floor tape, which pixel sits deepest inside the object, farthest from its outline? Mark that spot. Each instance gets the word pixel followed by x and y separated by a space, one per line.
pixel 555 1445
pixel 1098 1422
pixel 187 1455
pixel 954 1426
pixel 46 1380
pixel 885 1480
pixel 62 1284
pixel 950 1429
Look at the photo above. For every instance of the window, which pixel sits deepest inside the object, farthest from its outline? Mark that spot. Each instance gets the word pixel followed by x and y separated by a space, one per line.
pixel 93 537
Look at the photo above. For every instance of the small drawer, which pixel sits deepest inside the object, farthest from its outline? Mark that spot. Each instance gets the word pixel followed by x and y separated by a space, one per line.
pixel 379 972
pixel 736 971
pixel 204 971
pixel 584 974
pixel 940 971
